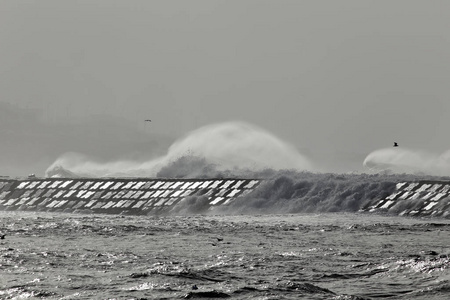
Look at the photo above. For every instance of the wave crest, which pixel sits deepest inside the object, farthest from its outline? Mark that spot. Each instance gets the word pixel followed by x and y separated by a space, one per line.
pixel 404 160
pixel 215 148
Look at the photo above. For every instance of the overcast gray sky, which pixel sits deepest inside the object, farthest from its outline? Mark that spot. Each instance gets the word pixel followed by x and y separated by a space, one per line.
pixel 337 79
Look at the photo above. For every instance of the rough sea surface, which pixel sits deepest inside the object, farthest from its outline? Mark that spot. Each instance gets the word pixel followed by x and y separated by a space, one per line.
pixel 291 256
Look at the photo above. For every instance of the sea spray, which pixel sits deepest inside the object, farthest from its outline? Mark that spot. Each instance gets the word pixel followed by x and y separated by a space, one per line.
pixel 239 144
pixel 306 192
pixel 404 160
pixel 85 166
pixel 232 146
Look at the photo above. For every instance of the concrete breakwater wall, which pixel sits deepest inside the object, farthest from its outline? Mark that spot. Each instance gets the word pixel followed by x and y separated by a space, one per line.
pixel 118 195
pixel 148 196
pixel 423 198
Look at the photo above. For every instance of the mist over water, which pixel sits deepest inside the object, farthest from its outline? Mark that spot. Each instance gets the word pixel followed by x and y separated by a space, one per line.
pixel 404 160
pixel 233 146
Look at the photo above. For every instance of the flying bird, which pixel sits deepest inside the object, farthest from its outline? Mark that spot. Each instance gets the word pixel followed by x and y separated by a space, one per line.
pixel 395 144
pixel 147 120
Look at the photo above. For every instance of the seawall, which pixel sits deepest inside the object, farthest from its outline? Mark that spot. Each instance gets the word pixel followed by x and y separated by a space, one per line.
pixel 137 196
pixel 418 199
pixel 148 196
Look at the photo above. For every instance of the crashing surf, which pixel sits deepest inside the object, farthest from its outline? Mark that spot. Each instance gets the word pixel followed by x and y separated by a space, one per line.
pixel 233 147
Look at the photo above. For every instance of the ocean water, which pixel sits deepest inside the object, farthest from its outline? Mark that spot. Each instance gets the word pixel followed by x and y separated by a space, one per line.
pixel 299 235
pixel 273 256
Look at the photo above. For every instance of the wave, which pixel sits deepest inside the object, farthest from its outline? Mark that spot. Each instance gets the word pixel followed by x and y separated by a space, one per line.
pixel 306 192
pixel 276 192
pixel 241 150
pixel 233 146
pixel 405 160
pixel 235 149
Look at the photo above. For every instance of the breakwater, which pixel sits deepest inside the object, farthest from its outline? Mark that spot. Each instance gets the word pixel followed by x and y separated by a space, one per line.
pixel 120 196
pixel 422 198
pixel 152 196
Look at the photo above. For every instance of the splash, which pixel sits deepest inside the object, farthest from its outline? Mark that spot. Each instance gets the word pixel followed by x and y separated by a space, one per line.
pixel 403 160
pixel 238 144
pixel 84 166
pixel 218 147
pixel 305 192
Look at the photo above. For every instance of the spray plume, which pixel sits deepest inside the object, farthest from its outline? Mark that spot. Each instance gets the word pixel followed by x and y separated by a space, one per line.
pixel 225 146
pixel 403 160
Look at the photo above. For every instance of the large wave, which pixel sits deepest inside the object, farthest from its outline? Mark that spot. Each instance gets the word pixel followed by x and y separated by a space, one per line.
pixel 236 147
pixel 289 191
pixel 404 160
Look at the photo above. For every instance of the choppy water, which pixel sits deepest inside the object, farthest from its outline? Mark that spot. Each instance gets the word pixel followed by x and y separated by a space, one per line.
pixel 304 256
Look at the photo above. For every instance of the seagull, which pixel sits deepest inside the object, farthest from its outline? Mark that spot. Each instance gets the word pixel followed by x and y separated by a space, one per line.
pixel 147 120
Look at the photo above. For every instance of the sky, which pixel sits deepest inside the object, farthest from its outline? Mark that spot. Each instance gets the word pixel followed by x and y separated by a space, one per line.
pixel 335 79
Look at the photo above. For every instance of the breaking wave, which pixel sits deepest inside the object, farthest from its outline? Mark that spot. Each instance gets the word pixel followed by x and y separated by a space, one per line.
pixel 232 146
pixel 305 192
pixel 404 160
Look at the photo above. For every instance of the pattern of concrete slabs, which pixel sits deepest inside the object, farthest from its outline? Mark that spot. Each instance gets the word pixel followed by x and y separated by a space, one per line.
pixel 176 185
pixel 252 184
pixel 238 183
pixel 33 201
pixel 76 185
pixel 424 198
pixel 215 184
pixel 216 201
pixel 156 185
pixel 62 184
pixel 108 195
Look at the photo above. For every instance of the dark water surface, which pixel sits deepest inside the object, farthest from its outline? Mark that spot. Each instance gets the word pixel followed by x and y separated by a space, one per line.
pixel 304 256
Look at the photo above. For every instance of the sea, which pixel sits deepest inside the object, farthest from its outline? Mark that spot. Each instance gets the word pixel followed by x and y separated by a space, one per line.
pixel 335 255
pixel 299 235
